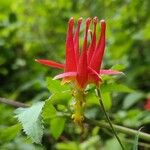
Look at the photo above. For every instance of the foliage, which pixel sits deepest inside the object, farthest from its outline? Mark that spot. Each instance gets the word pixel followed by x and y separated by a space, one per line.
pixel 32 29
pixel 31 121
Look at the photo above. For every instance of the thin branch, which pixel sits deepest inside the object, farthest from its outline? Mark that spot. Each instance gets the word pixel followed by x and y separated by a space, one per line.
pixel 118 128
pixel 12 103
pixel 127 140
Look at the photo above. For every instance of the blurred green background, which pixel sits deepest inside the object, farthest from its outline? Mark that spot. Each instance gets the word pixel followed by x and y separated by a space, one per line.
pixel 31 29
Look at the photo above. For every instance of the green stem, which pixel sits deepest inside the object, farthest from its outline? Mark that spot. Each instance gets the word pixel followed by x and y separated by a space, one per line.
pixel 107 117
pixel 125 130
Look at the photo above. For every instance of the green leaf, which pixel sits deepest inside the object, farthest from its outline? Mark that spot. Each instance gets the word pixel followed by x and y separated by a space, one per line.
pixel 106 98
pixel 30 118
pixel 118 67
pixel 114 87
pixel 48 110
pixel 89 143
pixel 60 93
pixel 67 146
pixel 57 126
pixel 9 133
pixel 92 99
pixel 55 86
pixel 146 117
pixel 112 144
pixel 131 99
pixel 61 97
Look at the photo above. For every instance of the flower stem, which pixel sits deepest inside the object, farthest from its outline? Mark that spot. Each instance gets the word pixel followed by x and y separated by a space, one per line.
pixel 107 117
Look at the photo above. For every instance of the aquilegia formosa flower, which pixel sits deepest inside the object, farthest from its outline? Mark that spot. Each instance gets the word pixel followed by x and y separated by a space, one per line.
pixel 82 66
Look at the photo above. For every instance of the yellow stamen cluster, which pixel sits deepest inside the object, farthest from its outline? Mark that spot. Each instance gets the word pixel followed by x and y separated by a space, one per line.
pixel 78 115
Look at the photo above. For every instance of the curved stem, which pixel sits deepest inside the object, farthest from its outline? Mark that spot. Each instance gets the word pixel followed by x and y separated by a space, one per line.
pixel 107 117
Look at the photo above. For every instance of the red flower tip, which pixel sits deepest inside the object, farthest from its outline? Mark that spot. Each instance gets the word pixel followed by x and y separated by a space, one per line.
pixel 88 21
pixel 71 21
pixel 80 20
pixel 103 25
pixel 95 20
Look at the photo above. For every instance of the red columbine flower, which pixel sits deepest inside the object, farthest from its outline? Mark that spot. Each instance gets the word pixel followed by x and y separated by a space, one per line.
pixel 82 67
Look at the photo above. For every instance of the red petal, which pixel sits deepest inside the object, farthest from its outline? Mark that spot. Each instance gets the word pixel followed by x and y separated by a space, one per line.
pixel 99 51
pixel 93 71
pixel 82 72
pixel 70 53
pixel 76 40
pixel 93 76
pixel 50 63
pixel 93 42
pixel 109 72
pixel 66 74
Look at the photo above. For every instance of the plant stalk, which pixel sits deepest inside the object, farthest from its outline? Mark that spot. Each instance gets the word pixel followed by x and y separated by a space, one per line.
pixel 107 117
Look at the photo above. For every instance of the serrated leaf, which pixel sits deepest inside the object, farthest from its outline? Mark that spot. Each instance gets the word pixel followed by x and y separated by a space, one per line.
pixel 57 126
pixel 48 110
pixel 131 99
pixel 114 87
pixel 30 119
pixel 9 133
pixel 55 86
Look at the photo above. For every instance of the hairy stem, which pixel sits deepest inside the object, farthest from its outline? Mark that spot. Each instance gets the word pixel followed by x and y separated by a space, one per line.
pixel 78 115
